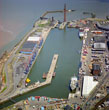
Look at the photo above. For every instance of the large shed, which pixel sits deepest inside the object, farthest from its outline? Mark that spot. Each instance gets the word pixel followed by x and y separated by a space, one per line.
pixel 34 39
pixel 88 85
pixel 28 47
pixel 99 46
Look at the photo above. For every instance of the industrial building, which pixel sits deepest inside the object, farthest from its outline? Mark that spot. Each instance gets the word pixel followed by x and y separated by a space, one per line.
pixel 88 85
pixel 99 43
pixel 34 39
pixel 99 46
pixel 103 26
pixel 99 38
pixel 96 71
pixel 31 44
pixel 28 47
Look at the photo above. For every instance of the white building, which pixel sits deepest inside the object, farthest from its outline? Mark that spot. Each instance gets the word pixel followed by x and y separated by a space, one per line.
pixel 35 39
pixel 88 85
pixel 99 46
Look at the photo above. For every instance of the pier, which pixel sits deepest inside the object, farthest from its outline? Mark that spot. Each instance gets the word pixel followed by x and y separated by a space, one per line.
pixel 47 12
pixel 45 75
pixel 62 26
pixel 51 12
pixel 52 68
pixel 56 11
pixel 36 85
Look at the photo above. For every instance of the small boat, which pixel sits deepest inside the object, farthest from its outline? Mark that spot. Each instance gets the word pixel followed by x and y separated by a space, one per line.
pixel 73 83
pixel 81 34
pixel 54 74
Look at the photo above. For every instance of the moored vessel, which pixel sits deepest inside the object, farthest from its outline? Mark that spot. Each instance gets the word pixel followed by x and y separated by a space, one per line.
pixel 73 83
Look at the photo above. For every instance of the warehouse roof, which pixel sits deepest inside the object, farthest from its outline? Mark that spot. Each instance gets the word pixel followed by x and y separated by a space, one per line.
pixel 99 39
pixel 29 44
pixel 88 85
pixel 28 47
pixel 96 67
pixel 33 39
pixel 99 45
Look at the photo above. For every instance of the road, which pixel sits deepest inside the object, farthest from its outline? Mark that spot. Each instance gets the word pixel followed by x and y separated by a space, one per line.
pixel 9 83
pixel 100 102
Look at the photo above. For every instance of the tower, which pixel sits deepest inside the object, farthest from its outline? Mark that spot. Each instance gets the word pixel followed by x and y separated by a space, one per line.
pixel 64 12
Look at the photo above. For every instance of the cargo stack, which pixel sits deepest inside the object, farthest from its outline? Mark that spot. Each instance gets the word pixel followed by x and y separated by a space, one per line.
pixel 30 49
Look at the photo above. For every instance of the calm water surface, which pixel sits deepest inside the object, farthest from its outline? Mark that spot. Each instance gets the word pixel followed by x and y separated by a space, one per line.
pixel 66 43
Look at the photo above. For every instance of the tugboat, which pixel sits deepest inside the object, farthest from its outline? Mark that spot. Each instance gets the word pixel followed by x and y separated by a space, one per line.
pixel 73 83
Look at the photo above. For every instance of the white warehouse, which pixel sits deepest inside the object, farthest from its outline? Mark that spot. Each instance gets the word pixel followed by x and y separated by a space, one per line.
pixel 88 85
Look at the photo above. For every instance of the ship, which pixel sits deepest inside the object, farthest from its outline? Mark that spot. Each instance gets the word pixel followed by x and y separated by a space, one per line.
pixel 73 83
